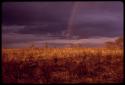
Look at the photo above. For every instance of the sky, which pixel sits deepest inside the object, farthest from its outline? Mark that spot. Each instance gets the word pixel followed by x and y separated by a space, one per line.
pixel 60 23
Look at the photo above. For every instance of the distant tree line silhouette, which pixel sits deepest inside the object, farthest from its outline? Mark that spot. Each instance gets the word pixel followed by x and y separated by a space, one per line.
pixel 118 43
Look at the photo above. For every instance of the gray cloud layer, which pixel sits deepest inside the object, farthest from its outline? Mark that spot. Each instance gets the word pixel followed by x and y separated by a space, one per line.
pixel 50 20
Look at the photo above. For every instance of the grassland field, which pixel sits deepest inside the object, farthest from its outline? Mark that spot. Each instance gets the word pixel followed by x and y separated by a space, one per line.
pixel 62 65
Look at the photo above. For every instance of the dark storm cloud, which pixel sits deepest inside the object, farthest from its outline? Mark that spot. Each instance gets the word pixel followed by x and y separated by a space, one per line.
pixel 104 29
pixel 11 29
pixel 99 19
pixel 92 18
pixel 38 21
pixel 13 38
pixel 35 12
pixel 53 28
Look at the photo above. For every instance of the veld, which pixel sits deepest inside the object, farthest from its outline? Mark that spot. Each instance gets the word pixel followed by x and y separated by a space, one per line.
pixel 62 65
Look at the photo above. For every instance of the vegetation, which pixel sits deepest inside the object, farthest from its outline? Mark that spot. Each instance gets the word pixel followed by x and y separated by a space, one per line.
pixel 62 65
pixel 118 43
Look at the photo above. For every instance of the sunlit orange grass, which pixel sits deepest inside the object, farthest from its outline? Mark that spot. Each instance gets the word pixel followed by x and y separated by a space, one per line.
pixel 99 65
pixel 46 53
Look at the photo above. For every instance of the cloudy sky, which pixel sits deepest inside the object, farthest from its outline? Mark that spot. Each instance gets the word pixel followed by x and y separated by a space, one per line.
pixel 59 23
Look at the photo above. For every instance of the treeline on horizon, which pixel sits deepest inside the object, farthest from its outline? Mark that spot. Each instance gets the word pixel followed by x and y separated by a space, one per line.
pixel 118 43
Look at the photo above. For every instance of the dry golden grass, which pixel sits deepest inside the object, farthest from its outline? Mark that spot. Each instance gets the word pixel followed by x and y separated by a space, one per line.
pixel 62 65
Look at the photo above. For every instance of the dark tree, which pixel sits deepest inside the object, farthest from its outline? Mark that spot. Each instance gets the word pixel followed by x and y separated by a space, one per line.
pixel 118 43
